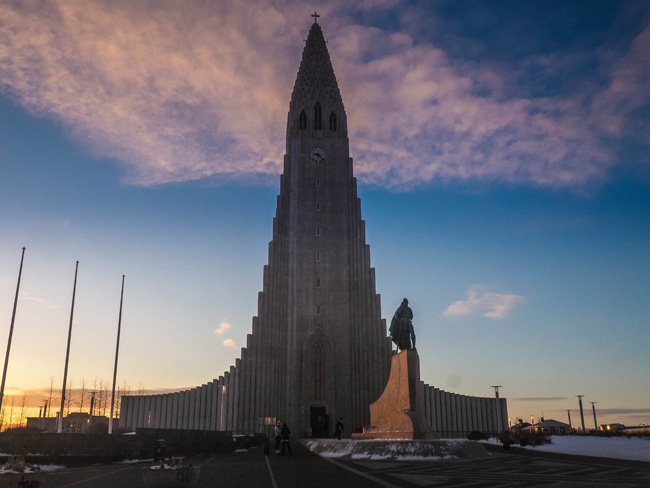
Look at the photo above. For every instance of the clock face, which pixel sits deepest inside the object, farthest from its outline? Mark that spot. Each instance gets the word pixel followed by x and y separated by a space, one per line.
pixel 318 155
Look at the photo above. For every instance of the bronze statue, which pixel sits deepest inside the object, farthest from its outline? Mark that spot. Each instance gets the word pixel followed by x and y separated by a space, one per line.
pixel 401 327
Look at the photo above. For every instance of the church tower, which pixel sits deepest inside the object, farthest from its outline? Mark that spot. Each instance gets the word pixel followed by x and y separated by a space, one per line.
pixel 319 349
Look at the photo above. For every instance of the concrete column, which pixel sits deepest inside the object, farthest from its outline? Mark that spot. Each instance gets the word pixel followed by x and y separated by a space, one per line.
pixel 443 413
pixel 454 416
pixel 480 426
pixel 147 411
pixel 168 411
pixel 450 425
pixel 459 416
pixel 140 419
pixel 235 397
pixel 228 399
pixel 126 406
pixel 214 407
pixel 173 417
pixel 164 403
pixel 220 404
pixel 204 407
pixel 208 405
pixel 156 408
pixel 186 409
pixel 438 408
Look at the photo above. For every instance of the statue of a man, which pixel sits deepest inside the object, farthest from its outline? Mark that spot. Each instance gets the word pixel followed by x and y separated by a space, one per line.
pixel 401 327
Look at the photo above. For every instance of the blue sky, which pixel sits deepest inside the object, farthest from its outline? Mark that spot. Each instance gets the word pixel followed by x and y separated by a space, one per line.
pixel 502 156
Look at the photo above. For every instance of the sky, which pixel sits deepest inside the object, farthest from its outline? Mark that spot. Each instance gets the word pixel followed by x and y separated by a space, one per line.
pixel 502 153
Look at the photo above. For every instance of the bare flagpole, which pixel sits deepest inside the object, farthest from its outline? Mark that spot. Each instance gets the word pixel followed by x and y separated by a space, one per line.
pixel 117 350
pixel 11 332
pixel 67 352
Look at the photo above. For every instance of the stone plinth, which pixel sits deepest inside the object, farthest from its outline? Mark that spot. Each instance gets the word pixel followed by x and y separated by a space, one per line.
pixel 399 411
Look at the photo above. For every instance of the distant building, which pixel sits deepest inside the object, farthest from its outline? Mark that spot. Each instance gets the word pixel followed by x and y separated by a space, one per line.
pixel 73 423
pixel 550 426
pixel 553 427
pixel 636 430
pixel 611 428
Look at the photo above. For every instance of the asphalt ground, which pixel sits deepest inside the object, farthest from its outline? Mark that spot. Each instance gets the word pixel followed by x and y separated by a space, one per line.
pixel 304 469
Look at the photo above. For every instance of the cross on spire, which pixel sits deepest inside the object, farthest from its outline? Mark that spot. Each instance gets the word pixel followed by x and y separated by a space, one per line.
pixel 315 16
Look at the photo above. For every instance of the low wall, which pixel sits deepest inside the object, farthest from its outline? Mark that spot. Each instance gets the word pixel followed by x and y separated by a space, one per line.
pixel 72 449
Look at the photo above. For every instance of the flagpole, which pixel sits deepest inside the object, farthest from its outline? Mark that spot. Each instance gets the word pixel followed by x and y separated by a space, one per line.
pixel 67 352
pixel 11 331
pixel 117 350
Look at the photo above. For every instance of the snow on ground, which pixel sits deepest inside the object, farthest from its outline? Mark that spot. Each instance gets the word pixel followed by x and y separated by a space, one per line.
pixel 634 449
pixel 49 467
pixel 134 461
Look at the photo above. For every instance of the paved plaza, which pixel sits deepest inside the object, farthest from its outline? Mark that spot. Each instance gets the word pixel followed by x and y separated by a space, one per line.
pixel 303 469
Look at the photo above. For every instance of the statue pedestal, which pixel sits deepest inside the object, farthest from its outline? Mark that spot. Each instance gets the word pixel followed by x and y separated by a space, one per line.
pixel 399 411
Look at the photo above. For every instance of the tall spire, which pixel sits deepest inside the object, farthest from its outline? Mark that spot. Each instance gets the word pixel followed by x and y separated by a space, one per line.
pixel 316 83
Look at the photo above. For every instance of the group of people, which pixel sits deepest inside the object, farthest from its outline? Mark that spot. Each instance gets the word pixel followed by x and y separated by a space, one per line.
pixel 283 435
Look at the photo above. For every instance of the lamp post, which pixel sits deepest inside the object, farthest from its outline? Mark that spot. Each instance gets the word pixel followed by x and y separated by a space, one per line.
pixel 570 424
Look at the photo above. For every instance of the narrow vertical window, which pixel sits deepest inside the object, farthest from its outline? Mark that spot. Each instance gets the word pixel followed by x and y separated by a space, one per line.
pixel 317 282
pixel 317 231
pixel 317 256
pixel 317 181
pixel 318 206
pixel 317 309
pixel 302 120
pixel 318 117
pixel 319 377
pixel 333 122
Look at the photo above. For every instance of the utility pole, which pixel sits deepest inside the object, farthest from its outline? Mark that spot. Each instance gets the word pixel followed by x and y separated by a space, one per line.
pixel 570 424
pixel 499 420
pixel 582 416
pixel 593 408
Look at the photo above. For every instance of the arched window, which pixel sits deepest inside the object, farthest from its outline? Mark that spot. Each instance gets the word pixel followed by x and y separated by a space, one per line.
pixel 302 121
pixel 318 117
pixel 333 122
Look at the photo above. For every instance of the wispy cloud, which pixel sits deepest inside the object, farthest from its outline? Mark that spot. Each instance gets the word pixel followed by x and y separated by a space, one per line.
pixel 27 297
pixel 229 343
pixel 223 327
pixel 184 91
pixel 480 302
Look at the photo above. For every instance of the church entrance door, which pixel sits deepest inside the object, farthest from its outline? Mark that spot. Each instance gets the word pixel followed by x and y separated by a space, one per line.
pixel 318 421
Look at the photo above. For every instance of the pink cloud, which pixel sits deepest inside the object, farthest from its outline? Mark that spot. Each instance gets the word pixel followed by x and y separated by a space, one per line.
pixel 177 93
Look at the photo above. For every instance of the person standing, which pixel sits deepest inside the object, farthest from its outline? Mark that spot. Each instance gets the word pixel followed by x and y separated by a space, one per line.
pixel 285 433
pixel 278 436
pixel 339 428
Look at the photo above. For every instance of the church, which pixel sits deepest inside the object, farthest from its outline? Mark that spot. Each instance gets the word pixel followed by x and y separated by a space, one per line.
pixel 319 349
